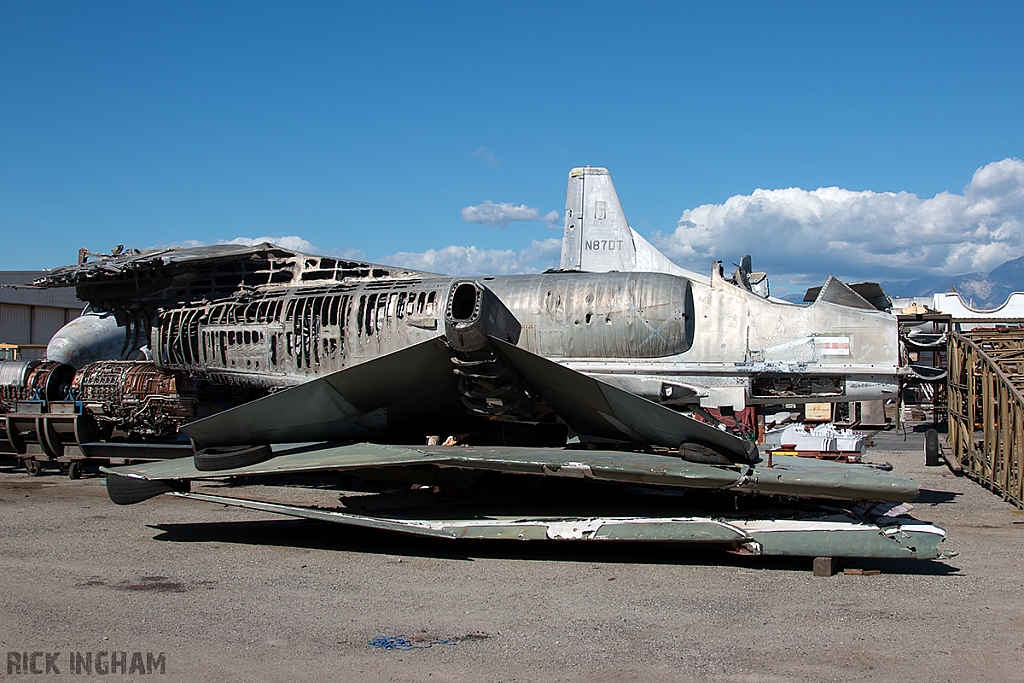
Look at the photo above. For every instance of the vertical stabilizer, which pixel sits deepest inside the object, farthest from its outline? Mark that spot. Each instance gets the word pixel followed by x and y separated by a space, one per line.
pixel 598 238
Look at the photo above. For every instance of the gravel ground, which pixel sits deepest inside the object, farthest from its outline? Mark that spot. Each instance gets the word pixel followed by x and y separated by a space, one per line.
pixel 233 595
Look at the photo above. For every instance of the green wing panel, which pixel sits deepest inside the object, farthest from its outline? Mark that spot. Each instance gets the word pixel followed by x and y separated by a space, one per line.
pixel 790 476
pixel 388 392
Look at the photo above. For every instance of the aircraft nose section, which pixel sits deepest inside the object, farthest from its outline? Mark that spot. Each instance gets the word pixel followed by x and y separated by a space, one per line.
pixel 475 313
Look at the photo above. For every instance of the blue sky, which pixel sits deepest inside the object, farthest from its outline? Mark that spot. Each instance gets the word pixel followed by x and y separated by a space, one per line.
pixel 367 129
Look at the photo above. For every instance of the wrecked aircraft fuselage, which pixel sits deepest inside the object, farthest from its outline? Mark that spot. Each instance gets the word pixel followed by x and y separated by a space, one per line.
pixel 355 359
pixel 285 336
pixel 748 348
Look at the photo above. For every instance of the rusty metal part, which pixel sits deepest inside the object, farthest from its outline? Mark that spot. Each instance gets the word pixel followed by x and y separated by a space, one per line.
pixel 136 396
pixel 33 381
pixel 13 377
pixel 50 381
pixel 487 384
pixel 986 408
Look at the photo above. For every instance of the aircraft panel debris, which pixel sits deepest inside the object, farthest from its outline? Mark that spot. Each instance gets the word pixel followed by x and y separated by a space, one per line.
pixel 840 537
pixel 824 438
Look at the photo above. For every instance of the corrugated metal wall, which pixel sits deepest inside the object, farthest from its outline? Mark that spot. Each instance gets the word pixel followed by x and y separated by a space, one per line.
pixel 15 324
pixel 63 297
pixel 32 316
pixel 32 324
pixel 45 322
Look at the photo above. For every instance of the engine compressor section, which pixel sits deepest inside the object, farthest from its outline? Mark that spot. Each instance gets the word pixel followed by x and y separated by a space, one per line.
pixel 135 397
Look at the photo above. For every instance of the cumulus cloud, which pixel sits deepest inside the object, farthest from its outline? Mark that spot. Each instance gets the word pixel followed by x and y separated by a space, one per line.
pixel 459 260
pixel 502 214
pixel 861 234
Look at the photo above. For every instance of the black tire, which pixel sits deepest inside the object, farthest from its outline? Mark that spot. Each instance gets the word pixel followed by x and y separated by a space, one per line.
pixel 692 452
pixel 33 467
pixel 131 490
pixel 217 458
pixel 75 469
pixel 931 448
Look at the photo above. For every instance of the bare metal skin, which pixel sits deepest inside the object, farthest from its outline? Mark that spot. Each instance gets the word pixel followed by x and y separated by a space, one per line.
pixel 287 335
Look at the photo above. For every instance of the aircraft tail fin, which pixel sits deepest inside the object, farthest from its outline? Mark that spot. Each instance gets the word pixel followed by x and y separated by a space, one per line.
pixel 597 236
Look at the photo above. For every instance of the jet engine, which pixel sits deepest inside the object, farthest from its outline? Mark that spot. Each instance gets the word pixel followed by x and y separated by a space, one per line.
pixel 135 396
pixel 33 380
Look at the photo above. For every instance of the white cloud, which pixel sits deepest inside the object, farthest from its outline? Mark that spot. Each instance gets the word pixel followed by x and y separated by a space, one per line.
pixel 459 260
pixel 293 242
pixel 287 241
pixel 489 157
pixel 183 244
pixel 861 234
pixel 502 214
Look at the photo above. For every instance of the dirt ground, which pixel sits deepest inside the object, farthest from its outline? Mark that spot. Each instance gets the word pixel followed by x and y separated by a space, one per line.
pixel 233 595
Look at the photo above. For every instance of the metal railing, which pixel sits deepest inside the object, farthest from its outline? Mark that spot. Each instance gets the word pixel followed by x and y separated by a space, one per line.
pixel 986 408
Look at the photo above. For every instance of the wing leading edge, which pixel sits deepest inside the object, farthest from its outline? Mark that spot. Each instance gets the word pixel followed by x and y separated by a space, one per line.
pixel 789 476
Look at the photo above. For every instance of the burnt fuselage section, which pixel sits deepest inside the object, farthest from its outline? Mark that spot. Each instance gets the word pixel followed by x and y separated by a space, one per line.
pixel 282 336
pixel 226 325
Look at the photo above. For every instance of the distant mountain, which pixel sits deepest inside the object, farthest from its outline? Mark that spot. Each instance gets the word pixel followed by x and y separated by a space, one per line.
pixel 979 290
pixel 1011 271
pixel 795 298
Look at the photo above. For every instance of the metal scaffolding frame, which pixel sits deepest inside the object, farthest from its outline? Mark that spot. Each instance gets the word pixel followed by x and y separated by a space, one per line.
pixel 986 408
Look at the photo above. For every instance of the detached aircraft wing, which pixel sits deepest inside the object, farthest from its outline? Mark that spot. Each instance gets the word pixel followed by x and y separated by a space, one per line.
pixel 788 476
pixel 618 497
pixel 652 513
pixel 585 494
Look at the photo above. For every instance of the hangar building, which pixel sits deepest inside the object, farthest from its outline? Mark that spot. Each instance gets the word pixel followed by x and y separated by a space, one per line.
pixel 32 316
